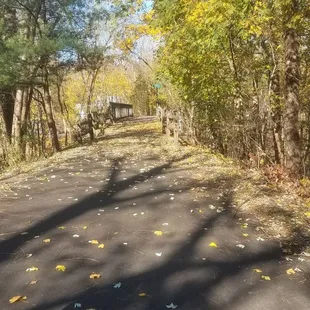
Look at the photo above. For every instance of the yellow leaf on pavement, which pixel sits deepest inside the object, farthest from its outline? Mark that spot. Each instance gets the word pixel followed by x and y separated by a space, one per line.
pixel 33 282
pixel 95 276
pixel 213 245
pixel 47 240
pixel 17 298
pixel 142 294
pixel 93 242
pixel 85 227
pixel 290 271
pixel 101 246
pixel 266 278
pixel 258 270
pixel 32 269
pixel 61 227
pixel 245 235
pixel 158 232
pixel 61 268
pixel 245 225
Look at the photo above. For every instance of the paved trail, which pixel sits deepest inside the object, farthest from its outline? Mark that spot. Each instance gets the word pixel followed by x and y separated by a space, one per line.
pixel 130 195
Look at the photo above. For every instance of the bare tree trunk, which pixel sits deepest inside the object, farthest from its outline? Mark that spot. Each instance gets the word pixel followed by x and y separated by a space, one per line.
pixel 7 109
pixel 276 115
pixel 94 75
pixel 17 126
pixel 291 122
pixel 50 118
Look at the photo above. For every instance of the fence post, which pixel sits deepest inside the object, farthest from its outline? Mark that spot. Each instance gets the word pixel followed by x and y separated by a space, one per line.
pixel 176 131
pixel 167 124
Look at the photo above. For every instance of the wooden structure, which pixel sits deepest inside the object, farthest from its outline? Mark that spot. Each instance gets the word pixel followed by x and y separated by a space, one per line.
pixel 120 110
pixel 96 122
pixel 172 124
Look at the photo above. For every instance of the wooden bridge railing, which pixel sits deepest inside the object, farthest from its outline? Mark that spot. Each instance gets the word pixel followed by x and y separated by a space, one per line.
pixel 96 122
pixel 172 123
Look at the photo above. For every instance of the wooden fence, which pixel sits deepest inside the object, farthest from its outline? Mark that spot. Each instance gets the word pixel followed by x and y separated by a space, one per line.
pixel 172 123
pixel 178 124
pixel 95 122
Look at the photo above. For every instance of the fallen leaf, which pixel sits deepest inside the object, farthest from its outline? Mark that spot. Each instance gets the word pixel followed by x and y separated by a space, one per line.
pixel 266 278
pixel 307 214
pixel 32 269
pixel 101 246
pixel 240 246
pixel 28 255
pixel 77 305
pixel 171 306
pixel 244 225
pixel 142 294
pixel 245 235
pixel 33 282
pixel 93 242
pixel 159 254
pixel 85 227
pixel 61 268
pixel 258 270
pixel 61 227
pixel 47 240
pixel 76 236
pixel 290 271
pixel 260 239
pixel 158 233
pixel 117 285
pixel 95 276
pixel 17 298
pixel 213 245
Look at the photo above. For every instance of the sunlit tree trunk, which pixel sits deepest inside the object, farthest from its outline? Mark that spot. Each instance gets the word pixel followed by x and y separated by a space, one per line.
pixel 291 120
pixel 50 117
pixel 276 115
pixel 17 124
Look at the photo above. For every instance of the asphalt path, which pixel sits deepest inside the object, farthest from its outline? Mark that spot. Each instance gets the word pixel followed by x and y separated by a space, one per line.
pixel 133 224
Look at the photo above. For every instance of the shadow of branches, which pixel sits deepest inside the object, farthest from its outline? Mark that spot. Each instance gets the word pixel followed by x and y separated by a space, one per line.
pixel 178 268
